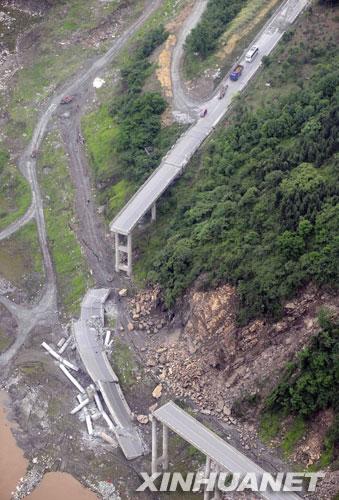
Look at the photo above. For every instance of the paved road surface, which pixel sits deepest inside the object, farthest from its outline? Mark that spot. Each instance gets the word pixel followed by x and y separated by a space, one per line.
pixel 177 158
pixel 210 444
pixel 90 346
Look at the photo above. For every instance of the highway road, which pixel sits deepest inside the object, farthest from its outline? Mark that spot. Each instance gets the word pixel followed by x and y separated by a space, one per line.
pixel 177 158
pixel 203 439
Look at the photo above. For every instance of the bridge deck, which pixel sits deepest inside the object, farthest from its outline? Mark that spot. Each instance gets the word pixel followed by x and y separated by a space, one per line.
pixel 174 162
pixel 92 353
pixel 210 444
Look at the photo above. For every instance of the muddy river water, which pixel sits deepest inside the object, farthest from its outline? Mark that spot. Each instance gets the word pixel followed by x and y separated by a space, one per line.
pixel 13 465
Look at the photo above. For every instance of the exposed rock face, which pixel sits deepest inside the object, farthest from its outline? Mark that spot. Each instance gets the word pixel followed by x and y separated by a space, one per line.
pixel 223 367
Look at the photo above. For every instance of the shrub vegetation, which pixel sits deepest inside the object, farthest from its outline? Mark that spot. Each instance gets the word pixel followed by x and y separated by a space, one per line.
pixel 203 39
pixel 311 384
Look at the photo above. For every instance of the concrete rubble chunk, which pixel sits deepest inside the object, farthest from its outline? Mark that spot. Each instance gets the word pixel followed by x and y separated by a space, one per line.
pixel 157 391
pixel 142 419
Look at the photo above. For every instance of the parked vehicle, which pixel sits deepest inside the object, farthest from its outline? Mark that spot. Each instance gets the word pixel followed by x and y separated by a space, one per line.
pixel 203 113
pixel 251 54
pixel 236 73
pixel 223 91
pixel 67 99
pixel 34 153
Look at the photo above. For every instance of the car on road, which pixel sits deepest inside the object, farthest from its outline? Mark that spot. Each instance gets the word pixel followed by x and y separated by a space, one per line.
pixel 203 113
pixel 223 91
pixel 252 53
pixel 236 73
pixel 67 99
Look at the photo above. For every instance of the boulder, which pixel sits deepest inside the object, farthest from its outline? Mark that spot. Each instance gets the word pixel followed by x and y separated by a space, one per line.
pixel 226 411
pixel 143 419
pixel 157 391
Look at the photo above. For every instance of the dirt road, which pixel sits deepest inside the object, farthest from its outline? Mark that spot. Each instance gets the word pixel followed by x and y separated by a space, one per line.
pixel 46 309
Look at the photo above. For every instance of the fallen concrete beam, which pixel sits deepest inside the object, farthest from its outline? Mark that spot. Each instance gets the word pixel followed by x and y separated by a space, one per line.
pixel 58 357
pixel 108 420
pixel 89 423
pixel 61 342
pixel 65 345
pixel 80 406
pixel 107 338
pixel 71 378
pixel 98 402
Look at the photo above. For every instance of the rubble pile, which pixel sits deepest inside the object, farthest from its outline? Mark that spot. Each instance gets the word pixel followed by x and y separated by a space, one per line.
pixel 221 367
pixel 145 311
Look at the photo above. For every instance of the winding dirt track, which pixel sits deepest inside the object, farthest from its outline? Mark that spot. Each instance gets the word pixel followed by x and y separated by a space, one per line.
pixel 45 311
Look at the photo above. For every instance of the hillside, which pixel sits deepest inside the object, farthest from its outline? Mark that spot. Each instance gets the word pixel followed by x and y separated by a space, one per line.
pixel 253 224
pixel 260 206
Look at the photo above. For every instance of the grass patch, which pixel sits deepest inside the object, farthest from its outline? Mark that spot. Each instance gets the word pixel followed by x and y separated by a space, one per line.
pixel 34 370
pixel 5 341
pixel 269 426
pixel 54 407
pixel 101 131
pixel 21 261
pixel 15 193
pixel 70 265
pixel 112 323
pixel 124 364
pixel 293 435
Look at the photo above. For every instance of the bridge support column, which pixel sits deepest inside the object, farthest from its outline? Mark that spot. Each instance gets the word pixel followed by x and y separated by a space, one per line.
pixel 129 254
pixel 164 447
pixel 207 475
pixel 154 447
pixel 216 489
pixel 117 256
pixel 121 248
pixel 153 212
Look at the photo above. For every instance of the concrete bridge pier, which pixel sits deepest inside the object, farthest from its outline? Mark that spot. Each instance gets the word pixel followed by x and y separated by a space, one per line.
pixel 123 247
pixel 163 459
pixel 153 212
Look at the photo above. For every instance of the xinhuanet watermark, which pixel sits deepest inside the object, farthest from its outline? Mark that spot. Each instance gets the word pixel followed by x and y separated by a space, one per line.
pixel 225 481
